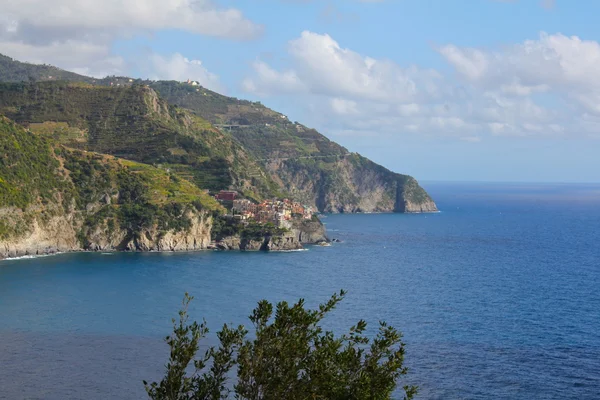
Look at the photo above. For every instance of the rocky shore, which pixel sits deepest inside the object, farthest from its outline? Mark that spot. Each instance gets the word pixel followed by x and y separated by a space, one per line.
pixel 62 234
pixel 299 234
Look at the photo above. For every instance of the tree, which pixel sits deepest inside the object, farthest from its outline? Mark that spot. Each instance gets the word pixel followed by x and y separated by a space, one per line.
pixel 289 357
pixel 204 382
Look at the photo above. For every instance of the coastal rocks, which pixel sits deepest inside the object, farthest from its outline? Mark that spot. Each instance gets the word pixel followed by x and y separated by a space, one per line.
pixel 63 233
pixel 237 243
pixel 196 237
pixel 308 232
pixel 282 243
pixel 268 243
pixel 55 234
pixel 422 207
pixel 412 198
pixel 299 234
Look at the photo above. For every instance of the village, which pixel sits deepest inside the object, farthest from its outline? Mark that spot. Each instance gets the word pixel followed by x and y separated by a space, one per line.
pixel 278 212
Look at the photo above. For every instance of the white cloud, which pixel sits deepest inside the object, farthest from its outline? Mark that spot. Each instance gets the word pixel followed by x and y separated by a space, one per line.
pixel 78 34
pixel 322 66
pixel 196 16
pixel 273 81
pixel 343 106
pixel 548 86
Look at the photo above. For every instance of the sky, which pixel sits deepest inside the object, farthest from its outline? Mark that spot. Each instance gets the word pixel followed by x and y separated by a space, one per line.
pixel 458 90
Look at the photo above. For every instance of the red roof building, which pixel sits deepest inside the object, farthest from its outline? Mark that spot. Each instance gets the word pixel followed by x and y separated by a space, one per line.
pixel 226 195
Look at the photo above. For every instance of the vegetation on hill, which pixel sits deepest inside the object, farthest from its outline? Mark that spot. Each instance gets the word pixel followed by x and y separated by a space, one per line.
pixel 45 179
pixel 288 356
pixel 28 168
pixel 134 123
pixel 15 71
pixel 305 163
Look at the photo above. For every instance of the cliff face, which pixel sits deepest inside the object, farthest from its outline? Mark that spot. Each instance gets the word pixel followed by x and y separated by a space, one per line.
pixel 62 233
pixel 297 235
pixel 308 232
pixel 194 237
pixel 56 234
pixel 351 184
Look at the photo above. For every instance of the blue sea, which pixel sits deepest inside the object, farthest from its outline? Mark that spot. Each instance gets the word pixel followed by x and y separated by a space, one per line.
pixel 498 297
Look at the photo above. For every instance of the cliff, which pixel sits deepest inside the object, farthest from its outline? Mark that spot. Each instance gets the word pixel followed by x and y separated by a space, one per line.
pixel 54 199
pixel 61 234
pixel 233 235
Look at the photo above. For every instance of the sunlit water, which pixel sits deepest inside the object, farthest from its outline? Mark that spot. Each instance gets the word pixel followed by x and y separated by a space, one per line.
pixel 498 296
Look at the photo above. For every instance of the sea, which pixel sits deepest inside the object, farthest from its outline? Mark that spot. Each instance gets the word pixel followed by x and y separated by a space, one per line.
pixel 497 295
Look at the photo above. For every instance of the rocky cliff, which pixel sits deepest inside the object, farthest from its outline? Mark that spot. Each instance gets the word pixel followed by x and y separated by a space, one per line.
pixel 62 233
pixel 297 234
pixel 54 199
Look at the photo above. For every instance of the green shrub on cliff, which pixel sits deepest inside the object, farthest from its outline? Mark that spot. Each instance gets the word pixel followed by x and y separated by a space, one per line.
pixel 288 356
pixel 46 179
pixel 28 168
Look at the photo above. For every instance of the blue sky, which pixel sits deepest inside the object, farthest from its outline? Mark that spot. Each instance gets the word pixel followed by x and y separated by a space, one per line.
pixel 484 90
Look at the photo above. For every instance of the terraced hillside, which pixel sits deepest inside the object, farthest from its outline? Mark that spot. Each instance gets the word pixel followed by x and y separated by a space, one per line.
pixel 305 163
pixel 135 124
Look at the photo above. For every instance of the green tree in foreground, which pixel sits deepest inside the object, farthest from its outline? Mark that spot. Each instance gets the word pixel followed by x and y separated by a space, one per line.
pixel 289 357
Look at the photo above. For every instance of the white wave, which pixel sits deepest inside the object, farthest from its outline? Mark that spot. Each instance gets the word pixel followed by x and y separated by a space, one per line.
pixel 289 251
pixel 29 257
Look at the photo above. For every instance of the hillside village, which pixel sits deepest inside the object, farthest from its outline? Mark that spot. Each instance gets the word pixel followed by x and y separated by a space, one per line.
pixel 278 212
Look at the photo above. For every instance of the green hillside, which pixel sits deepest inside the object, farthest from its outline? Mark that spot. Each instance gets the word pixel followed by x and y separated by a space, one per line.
pixel 28 168
pixel 134 123
pixel 16 71
pixel 43 179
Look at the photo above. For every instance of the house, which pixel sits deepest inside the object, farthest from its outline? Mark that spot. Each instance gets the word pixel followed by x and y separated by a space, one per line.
pixel 226 195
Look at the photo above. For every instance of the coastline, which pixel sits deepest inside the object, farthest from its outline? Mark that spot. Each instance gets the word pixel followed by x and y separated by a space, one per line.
pixel 110 253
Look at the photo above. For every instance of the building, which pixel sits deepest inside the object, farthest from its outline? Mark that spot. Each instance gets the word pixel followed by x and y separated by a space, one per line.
pixel 226 195
pixel 279 212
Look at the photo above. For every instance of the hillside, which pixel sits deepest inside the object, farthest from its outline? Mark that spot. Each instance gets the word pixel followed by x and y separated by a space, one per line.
pixel 305 163
pixel 57 199
pixel 16 71
pixel 217 142
pixel 135 124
